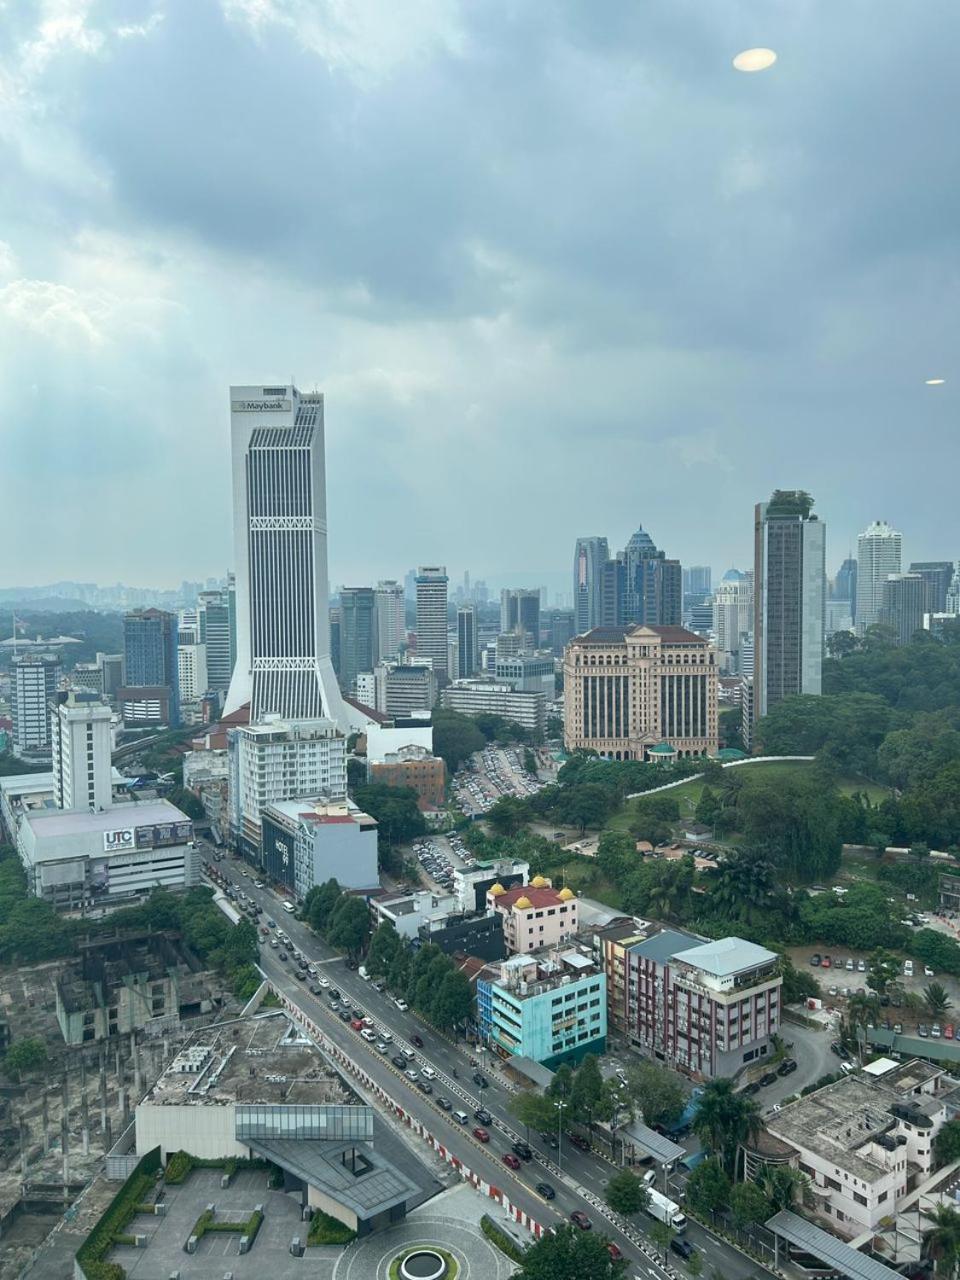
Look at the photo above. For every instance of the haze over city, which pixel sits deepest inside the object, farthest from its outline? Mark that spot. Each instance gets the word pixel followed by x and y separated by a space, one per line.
pixel 558 270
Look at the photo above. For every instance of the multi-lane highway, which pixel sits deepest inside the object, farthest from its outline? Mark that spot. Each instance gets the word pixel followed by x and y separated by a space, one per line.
pixel 582 1176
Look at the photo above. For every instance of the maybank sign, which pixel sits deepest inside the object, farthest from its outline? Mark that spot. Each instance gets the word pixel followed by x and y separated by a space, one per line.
pixel 260 406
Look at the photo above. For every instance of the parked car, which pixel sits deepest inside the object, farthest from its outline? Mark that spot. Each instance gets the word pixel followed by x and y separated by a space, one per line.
pixel 580 1219
pixel 849 965
pixel 825 962
pixel 481 1135
pixel 936 1031
pixel 837 1048
pixel 751 1088
pixel 922 1031
pixel 787 1067
pixel 815 959
pixel 927 971
pixel 898 1028
pixel 768 1079
pixel 948 1031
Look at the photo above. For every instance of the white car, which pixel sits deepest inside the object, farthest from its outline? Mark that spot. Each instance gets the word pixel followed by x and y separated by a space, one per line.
pixel 927 971
pixel 367 1034
pixel 323 982
pixel 401 1004
pixel 258 884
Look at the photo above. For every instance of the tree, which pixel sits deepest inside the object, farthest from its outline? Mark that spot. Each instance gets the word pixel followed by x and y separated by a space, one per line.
pixel 946 1144
pixel 936 998
pixel 708 1187
pixel 748 1205
pixel 884 970
pixel 656 1092
pixel 508 815
pixel 842 643
pixel 724 1119
pixel 661 1233
pixel 626 1193
pixel 708 806
pixel 453 1003
pixel 396 810
pixel 783 1186
pixel 319 904
pixel 349 925
pixel 536 1111
pixel 27 1054
pixel 455 737
pixel 587 1091
pixel 384 945
pixel 941 1241
pixel 585 805
pixel 570 1253
pixel 694 1264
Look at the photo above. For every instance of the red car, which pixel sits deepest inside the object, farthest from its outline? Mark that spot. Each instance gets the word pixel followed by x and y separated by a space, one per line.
pixel 580 1219
pixel 825 962
pixel 948 1031
pixel 481 1135
pixel 580 1143
pixel 356 1024
pixel 614 1251
pixel 510 1160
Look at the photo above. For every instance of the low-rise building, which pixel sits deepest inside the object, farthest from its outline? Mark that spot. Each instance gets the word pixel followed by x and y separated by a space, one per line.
pixel 534 915
pixel 472 884
pixel 131 982
pixel 550 1006
pixel 307 842
pixel 76 859
pixel 707 1007
pixel 258 1088
pixel 495 697
pixel 408 912
pixel 865 1141
pixel 476 934
pixel 417 768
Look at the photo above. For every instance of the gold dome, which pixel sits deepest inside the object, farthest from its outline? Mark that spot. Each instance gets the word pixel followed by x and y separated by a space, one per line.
pixel 566 894
pixel 523 904
pixel 539 882
pixel 496 889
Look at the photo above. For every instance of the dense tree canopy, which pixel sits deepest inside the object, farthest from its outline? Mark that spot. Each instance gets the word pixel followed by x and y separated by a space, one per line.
pixel 569 1254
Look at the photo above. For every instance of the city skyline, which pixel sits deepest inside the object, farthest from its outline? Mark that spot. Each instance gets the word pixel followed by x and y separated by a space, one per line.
pixel 701 332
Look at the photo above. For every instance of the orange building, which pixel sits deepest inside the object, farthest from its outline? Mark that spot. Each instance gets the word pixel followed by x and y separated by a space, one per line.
pixel 414 767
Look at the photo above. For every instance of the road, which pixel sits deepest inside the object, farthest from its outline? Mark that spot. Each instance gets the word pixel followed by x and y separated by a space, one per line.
pixel 580 1181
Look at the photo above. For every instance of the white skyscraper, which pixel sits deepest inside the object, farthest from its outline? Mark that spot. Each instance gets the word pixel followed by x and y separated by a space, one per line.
pixel 283 662
pixel 878 555
pixel 391 621
pixel 81 742
pixel 34 683
pixel 432 616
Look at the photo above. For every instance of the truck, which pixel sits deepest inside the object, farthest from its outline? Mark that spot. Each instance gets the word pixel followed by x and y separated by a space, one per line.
pixel 665 1210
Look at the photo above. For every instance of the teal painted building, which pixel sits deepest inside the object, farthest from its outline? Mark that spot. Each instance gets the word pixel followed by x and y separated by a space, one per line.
pixel 550 1006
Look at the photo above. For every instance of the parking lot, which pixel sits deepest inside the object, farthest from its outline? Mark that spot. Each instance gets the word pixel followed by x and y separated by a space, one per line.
pixel 490 774
pixel 439 856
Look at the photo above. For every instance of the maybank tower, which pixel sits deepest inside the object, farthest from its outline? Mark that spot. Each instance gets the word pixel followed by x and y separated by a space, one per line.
pixel 283 666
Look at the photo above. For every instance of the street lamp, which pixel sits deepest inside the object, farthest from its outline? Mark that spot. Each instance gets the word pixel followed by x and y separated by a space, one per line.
pixel 560 1106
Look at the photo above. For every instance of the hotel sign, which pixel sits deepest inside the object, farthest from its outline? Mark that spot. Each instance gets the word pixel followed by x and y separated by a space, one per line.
pixel 260 406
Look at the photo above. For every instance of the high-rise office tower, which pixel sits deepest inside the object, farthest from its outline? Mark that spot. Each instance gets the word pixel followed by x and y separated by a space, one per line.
pixel 81 742
pixel 191 663
pixel 560 625
pixel 697 580
pixel 732 616
pixel 904 604
pixel 878 555
pixel 216 613
pixel 151 689
pixel 34 684
pixel 358 634
pixel 613 586
pixel 391 618
pixel 654 584
pixel 432 616
pixel 335 640
pixel 789 579
pixel 590 556
pixel 937 576
pixel 845 585
pixel 520 611
pixel 467 648
pixel 280 530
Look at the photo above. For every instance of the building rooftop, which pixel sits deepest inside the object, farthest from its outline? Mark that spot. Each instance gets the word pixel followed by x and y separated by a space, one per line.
pixel 527 896
pixel 263 1059
pixel 62 822
pixel 726 956
pixel 663 946
pixel 617 635
pixel 320 811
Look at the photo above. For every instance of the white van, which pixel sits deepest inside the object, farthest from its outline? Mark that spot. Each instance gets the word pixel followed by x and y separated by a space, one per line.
pixel 288 906
pixel 428 1073
pixel 363 974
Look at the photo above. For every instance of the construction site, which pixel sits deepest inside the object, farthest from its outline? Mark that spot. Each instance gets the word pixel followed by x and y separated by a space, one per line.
pixel 61 1122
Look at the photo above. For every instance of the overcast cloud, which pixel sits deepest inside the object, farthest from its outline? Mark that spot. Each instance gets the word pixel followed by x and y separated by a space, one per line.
pixel 557 267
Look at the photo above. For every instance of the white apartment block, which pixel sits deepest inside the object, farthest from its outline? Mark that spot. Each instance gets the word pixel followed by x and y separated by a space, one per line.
pixel 81 739
pixel 879 553
pixel 391 619
pixel 35 680
pixel 282 760
pixel 492 697
pixel 192 671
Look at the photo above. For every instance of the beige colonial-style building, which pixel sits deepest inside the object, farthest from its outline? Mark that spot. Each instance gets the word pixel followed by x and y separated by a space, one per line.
pixel 630 690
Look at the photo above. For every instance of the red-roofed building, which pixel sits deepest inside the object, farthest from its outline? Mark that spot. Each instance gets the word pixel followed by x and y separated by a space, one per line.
pixel 534 915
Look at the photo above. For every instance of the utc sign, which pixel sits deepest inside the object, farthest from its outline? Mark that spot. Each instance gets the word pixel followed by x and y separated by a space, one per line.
pixel 119 841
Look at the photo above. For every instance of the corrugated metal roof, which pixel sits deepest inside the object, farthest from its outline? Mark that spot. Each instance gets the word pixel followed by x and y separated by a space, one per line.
pixel 849 1261
pixel 663 946
pixel 726 956
pixel 654 1144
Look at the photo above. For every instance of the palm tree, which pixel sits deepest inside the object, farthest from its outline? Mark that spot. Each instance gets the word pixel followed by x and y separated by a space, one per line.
pixel 783 1186
pixel 936 998
pixel 724 1120
pixel 941 1242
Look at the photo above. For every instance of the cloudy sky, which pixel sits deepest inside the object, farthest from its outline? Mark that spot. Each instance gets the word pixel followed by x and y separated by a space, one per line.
pixel 558 268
